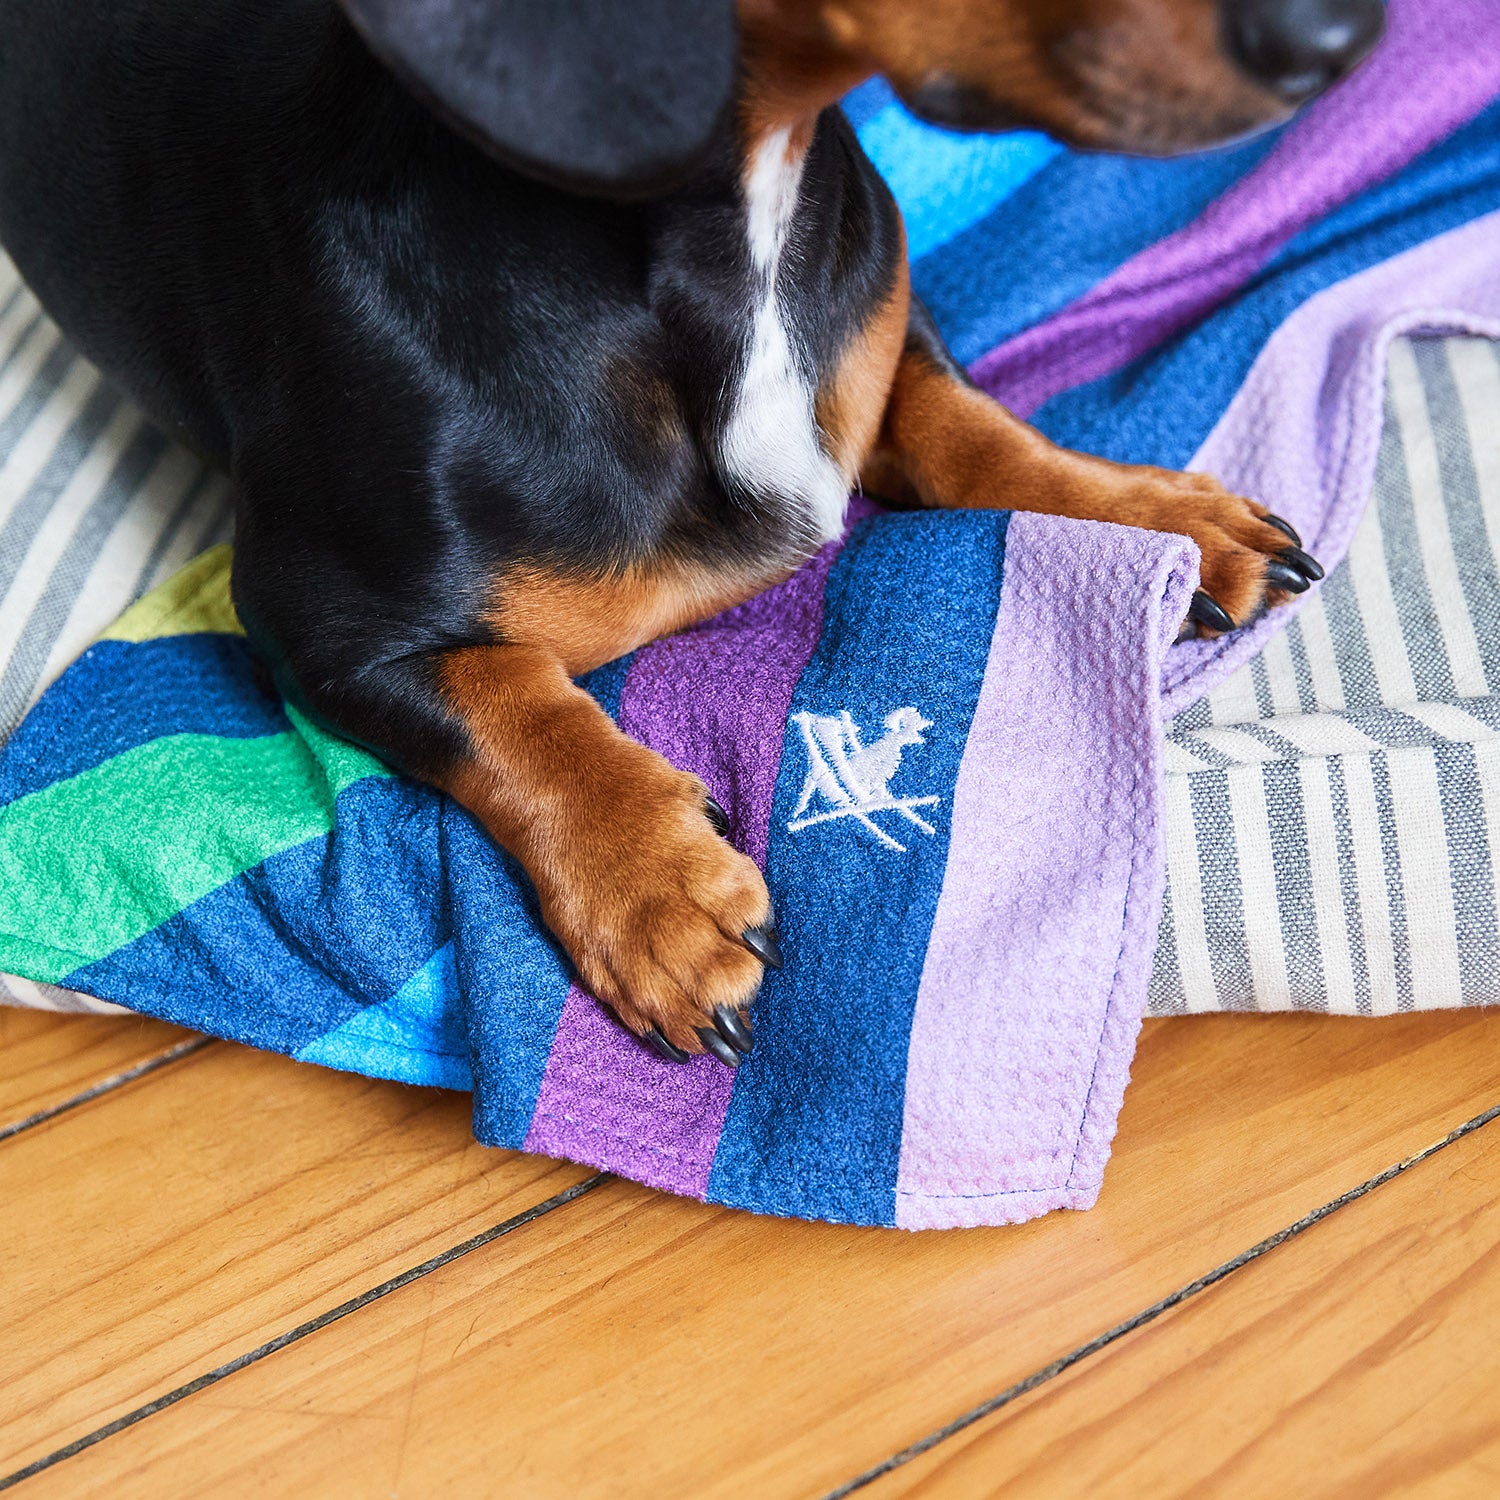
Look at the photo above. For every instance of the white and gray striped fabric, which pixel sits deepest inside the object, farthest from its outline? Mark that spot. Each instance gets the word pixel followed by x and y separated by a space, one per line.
pixel 96 508
pixel 1331 809
pixel 96 505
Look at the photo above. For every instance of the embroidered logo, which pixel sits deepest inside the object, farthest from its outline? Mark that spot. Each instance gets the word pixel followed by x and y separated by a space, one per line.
pixel 852 779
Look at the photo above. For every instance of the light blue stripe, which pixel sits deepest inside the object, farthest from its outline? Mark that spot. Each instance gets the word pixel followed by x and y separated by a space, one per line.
pixel 417 1036
pixel 1071 225
pixel 946 181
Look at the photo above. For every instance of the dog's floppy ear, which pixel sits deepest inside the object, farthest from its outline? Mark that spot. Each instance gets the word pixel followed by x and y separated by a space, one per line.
pixel 615 97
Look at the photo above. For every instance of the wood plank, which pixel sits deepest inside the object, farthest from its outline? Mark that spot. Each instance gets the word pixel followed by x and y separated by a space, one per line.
pixel 633 1344
pixel 47 1058
pixel 167 1227
pixel 1357 1359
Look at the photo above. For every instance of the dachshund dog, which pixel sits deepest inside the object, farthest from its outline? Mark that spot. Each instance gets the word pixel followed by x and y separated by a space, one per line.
pixel 531 332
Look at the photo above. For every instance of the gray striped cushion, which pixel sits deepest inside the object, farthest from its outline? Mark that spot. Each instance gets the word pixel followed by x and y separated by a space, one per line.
pixel 96 506
pixel 1329 808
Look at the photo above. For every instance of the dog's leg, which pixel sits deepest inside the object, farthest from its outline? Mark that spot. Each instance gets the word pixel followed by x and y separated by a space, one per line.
pixel 945 443
pixel 664 920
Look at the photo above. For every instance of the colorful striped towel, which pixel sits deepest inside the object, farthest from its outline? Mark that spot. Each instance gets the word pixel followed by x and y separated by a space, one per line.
pixel 969 912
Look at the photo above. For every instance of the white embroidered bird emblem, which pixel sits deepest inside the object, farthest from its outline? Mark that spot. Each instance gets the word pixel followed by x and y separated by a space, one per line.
pixel 854 779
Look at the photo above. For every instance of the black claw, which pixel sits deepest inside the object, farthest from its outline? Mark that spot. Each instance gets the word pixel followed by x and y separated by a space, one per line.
pixel 1285 528
pixel 1309 567
pixel 718 1046
pixel 1280 575
pixel 1205 611
pixel 1189 632
pixel 765 943
pixel 663 1048
pixel 731 1026
pixel 717 816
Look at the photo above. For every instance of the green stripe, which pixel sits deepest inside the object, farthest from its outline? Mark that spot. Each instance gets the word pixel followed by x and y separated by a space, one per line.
pixel 90 864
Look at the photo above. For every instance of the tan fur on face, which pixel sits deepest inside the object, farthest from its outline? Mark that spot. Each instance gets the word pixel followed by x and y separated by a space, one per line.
pixel 1130 75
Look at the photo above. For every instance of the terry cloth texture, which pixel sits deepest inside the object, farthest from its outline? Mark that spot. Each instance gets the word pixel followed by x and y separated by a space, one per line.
pixel 942 739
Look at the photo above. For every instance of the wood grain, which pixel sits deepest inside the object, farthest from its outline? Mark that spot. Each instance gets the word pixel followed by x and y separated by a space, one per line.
pixel 633 1344
pixel 1357 1360
pixel 171 1225
pixel 47 1058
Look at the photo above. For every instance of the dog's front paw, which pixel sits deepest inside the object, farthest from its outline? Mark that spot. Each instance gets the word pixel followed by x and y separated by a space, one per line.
pixel 668 925
pixel 1252 560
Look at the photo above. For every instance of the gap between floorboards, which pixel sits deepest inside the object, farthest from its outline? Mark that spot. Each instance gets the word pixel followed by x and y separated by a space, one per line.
pixel 312 1325
pixel 108 1085
pixel 1150 1314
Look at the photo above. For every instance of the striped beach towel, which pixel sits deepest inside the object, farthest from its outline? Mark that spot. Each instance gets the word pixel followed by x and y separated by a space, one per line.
pixel 970 925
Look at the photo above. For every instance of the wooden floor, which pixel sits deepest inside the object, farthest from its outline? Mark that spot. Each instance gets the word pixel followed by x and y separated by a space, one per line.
pixel 229 1274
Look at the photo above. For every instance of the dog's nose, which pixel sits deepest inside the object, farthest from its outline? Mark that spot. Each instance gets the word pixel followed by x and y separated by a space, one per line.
pixel 1296 48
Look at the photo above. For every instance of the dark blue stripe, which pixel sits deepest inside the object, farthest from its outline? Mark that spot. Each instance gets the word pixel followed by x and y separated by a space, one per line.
pixel 1159 409
pixel 119 695
pixel 512 974
pixel 287 951
pixel 607 683
pixel 814 1127
pixel 1079 219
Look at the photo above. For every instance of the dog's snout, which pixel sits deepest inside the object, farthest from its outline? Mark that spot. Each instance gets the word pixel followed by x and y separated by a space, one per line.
pixel 1297 48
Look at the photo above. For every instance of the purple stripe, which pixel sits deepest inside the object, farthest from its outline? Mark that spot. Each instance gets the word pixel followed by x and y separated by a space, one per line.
pixel 1035 976
pixel 1438 67
pixel 1303 433
pixel 715 702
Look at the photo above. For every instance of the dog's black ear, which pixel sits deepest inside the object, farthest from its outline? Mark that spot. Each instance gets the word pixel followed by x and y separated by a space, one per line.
pixel 616 97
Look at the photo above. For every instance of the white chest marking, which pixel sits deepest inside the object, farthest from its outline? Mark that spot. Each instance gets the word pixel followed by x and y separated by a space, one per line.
pixel 771 444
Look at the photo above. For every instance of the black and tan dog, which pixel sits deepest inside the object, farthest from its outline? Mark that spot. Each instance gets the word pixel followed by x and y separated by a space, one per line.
pixel 532 330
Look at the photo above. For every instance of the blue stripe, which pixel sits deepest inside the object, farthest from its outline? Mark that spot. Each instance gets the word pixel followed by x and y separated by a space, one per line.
pixel 119 695
pixel 512 974
pixel 945 181
pixel 1072 224
pixel 864 103
pixel 417 1036
pixel 1161 408
pixel 287 951
pixel 607 683
pixel 814 1127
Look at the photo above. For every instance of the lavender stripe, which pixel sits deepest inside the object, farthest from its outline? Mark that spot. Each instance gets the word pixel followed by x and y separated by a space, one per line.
pixel 715 702
pixel 1302 435
pixel 1028 1010
pixel 1437 68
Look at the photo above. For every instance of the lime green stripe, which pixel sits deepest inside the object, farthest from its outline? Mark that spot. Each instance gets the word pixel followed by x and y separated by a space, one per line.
pixel 193 600
pixel 90 864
